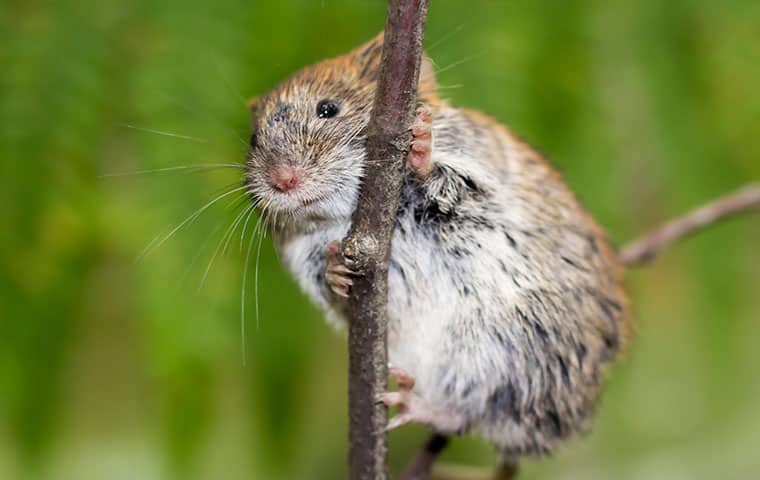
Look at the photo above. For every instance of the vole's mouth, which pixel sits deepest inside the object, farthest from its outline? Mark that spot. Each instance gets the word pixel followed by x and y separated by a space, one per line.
pixel 291 201
pixel 311 201
pixel 297 205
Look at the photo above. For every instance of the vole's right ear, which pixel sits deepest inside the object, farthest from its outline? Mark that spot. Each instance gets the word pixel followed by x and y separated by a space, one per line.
pixel 251 104
pixel 369 55
pixel 367 58
pixel 427 84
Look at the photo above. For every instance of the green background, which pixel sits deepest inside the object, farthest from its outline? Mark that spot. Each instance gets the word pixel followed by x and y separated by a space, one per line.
pixel 117 369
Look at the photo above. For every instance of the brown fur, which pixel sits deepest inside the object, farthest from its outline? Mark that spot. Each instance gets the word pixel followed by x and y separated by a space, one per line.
pixel 493 232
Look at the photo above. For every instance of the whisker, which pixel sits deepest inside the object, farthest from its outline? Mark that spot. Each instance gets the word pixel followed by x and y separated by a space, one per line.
pixel 190 168
pixel 238 220
pixel 242 300
pixel 226 234
pixel 226 188
pixel 438 88
pixel 197 255
pixel 165 133
pixel 187 220
pixel 457 63
pixel 149 246
pixel 226 80
pixel 456 30
pixel 208 114
pixel 245 226
pixel 256 277
pixel 240 201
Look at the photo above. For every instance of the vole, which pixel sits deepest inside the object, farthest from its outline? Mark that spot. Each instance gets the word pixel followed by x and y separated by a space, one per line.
pixel 505 298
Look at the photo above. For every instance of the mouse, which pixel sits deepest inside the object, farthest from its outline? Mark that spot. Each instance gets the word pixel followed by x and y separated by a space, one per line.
pixel 506 300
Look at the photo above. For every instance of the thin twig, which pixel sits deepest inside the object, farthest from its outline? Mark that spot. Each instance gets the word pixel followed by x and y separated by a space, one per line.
pixel 419 467
pixel 366 249
pixel 645 248
pixel 506 471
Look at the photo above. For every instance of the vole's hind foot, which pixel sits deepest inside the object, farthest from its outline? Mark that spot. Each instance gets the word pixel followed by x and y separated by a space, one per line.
pixel 413 409
pixel 419 159
pixel 404 379
pixel 337 275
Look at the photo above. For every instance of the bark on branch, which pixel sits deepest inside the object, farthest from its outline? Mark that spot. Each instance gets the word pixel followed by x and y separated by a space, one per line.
pixel 367 247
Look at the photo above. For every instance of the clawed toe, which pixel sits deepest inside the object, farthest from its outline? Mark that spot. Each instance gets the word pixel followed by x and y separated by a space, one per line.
pixel 339 284
pixel 392 399
pixel 419 160
pixel 403 378
pixel 398 420
pixel 413 408
pixel 401 399
pixel 337 275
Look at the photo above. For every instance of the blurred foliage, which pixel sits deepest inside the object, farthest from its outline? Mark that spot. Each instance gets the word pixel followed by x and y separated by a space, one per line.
pixel 112 368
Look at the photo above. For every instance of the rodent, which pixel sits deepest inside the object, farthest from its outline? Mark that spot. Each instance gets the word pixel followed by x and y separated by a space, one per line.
pixel 506 300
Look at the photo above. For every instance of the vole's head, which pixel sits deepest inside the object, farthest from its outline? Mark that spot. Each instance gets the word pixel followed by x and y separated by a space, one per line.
pixel 306 160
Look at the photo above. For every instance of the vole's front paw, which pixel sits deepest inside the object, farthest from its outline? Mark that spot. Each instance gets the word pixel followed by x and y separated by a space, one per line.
pixel 419 159
pixel 412 408
pixel 337 275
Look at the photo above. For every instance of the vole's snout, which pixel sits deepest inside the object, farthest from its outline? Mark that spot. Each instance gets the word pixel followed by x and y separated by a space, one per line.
pixel 284 178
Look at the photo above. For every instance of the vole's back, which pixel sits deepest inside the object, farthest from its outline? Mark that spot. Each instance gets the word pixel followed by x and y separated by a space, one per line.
pixel 506 299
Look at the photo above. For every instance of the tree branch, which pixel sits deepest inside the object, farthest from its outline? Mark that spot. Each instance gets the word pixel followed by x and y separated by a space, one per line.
pixel 645 248
pixel 366 249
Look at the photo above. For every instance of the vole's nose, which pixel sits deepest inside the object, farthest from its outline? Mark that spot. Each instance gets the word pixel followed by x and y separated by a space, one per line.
pixel 284 178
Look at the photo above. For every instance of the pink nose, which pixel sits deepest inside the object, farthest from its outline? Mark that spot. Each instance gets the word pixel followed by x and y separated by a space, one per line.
pixel 284 178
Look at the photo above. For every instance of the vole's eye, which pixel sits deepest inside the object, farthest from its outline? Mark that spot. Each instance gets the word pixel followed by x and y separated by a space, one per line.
pixel 327 109
pixel 253 140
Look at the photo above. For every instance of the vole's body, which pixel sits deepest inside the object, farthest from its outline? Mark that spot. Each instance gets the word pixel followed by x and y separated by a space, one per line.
pixel 505 300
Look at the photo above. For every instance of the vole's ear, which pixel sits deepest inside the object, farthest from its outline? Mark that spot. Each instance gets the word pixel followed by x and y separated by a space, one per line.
pixel 252 104
pixel 369 55
pixel 427 84
pixel 367 58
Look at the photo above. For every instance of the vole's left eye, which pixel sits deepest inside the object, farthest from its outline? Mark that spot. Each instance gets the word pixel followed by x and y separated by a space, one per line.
pixel 327 109
pixel 253 140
